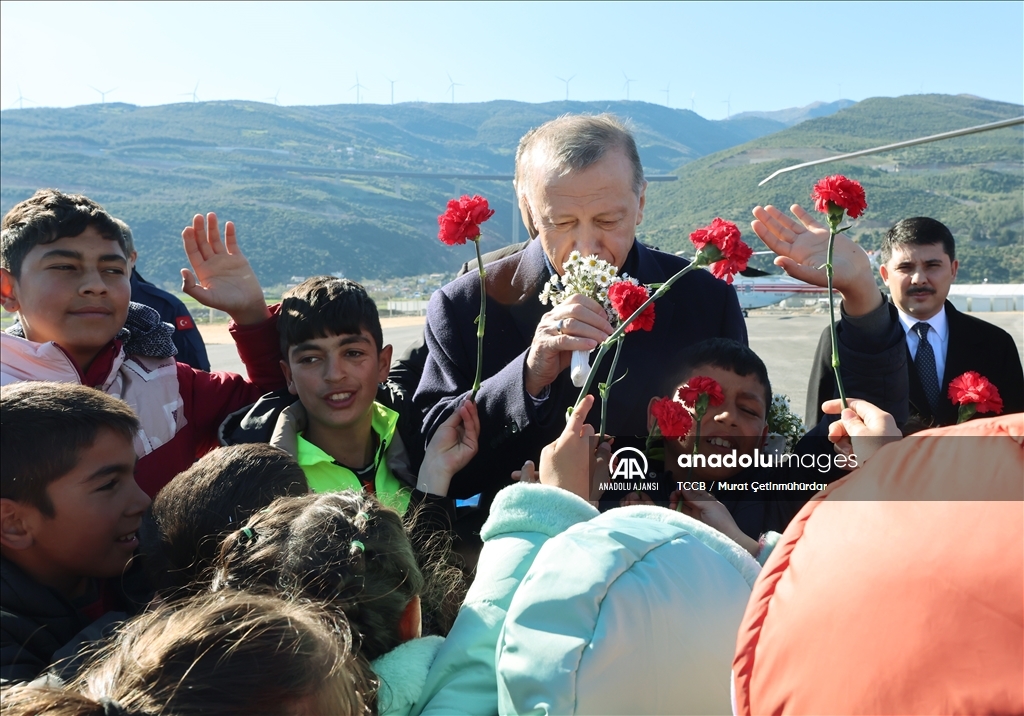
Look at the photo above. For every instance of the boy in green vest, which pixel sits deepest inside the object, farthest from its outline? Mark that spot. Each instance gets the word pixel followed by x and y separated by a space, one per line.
pixel 350 428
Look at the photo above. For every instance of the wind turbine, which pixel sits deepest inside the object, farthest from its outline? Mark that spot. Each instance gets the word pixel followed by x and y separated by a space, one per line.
pixel 356 87
pixel 626 85
pixel 274 98
pixel 728 106
pixel 452 87
pixel 192 94
pixel 392 88
pixel 667 103
pixel 566 85
pixel 693 101
pixel 103 95
pixel 21 99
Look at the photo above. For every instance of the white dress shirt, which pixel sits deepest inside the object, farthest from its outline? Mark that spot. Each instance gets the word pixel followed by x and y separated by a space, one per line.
pixel 938 336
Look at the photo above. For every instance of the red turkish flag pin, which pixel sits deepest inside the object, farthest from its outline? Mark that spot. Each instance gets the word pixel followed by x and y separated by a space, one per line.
pixel 184 323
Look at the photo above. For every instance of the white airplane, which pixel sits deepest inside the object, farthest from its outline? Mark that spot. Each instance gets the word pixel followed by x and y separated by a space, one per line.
pixel 757 289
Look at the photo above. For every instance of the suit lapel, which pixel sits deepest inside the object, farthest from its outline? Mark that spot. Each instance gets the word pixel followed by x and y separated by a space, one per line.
pixel 958 361
pixel 523 304
pixel 650 271
pixel 958 354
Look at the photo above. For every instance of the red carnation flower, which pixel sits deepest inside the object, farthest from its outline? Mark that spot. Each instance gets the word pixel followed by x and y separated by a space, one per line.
pixel 626 298
pixel 974 389
pixel 844 193
pixel 701 384
pixel 719 233
pixel 724 236
pixel 674 420
pixel 462 219
pixel 737 254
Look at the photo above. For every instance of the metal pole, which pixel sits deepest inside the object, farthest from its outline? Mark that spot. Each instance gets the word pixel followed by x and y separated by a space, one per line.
pixel 899 145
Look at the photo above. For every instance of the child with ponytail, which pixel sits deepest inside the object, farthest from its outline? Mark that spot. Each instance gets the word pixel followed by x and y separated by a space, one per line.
pixel 349 551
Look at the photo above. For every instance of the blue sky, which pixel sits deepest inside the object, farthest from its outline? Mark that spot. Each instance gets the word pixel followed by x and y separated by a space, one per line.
pixel 715 57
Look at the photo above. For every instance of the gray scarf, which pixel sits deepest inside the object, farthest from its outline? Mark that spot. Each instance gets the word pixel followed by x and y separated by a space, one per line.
pixel 144 334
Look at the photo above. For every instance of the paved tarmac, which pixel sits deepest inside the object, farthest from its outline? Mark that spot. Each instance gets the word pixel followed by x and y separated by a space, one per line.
pixel 785 340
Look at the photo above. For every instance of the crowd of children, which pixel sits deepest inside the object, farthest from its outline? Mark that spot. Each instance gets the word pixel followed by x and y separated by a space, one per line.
pixel 174 541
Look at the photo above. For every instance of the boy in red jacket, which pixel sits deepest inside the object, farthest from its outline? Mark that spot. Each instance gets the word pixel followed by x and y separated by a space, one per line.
pixel 64 271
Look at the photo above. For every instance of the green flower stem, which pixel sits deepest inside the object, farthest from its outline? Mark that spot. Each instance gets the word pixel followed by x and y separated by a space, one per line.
pixel 966 412
pixel 481 319
pixel 699 261
pixel 606 388
pixel 653 435
pixel 832 309
pixel 698 416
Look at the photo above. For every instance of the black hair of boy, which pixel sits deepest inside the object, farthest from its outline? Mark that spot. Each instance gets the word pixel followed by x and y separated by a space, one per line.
pixel 182 529
pixel 917 231
pixel 324 305
pixel 723 353
pixel 44 427
pixel 47 216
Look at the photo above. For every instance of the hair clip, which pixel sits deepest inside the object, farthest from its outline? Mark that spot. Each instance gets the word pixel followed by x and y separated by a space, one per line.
pixel 357 546
pixel 247 535
pixel 111 707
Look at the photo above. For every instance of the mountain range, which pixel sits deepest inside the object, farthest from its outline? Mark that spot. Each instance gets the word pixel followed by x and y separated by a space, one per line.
pixel 294 179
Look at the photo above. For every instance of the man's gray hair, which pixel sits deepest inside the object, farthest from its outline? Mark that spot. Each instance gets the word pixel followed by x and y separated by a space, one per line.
pixel 572 143
pixel 129 240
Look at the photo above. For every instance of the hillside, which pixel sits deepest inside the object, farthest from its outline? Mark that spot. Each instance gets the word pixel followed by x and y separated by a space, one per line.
pixel 974 184
pixel 275 172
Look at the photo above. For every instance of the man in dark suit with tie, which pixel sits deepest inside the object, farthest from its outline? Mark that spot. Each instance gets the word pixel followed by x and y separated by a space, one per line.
pixel 918 265
pixel 580 187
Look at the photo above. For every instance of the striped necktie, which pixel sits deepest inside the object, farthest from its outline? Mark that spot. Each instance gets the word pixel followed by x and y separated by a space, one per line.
pixel 926 368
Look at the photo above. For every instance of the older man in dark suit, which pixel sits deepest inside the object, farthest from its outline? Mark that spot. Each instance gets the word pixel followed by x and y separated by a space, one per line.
pixel 580 187
pixel 919 265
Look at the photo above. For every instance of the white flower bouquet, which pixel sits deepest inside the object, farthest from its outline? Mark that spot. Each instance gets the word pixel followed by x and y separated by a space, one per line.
pixel 586 276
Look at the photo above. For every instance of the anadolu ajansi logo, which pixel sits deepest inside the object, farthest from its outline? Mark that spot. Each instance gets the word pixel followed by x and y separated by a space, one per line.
pixel 630 464
pixel 629 472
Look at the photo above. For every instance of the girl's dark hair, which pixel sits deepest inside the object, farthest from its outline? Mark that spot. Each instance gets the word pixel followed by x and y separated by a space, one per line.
pixel 231 653
pixel 183 528
pixel 341 548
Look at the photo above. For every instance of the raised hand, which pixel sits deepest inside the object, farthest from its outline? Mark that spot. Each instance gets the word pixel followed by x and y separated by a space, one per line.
pixel 569 461
pixel 802 250
pixel 222 278
pixel 454 444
